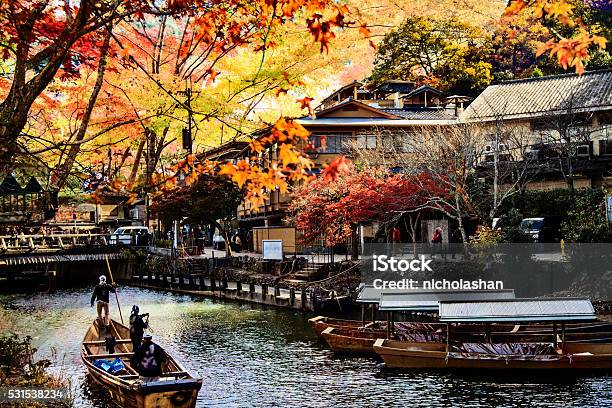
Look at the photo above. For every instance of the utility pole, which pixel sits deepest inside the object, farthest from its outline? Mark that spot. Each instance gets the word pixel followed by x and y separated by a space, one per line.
pixel 151 145
pixel 187 133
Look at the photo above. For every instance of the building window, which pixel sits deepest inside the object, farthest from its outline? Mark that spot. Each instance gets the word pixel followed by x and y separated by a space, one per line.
pixel 605 147
pixel 364 141
pixel 331 142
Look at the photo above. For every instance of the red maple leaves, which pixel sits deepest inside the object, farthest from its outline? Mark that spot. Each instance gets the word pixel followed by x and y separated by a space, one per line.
pixel 331 207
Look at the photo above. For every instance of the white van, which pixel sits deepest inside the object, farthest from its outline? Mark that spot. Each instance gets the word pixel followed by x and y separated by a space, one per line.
pixel 123 235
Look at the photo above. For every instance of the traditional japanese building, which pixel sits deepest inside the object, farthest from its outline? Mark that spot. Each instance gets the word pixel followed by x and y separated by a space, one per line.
pixel 352 118
pixel 556 127
pixel 530 122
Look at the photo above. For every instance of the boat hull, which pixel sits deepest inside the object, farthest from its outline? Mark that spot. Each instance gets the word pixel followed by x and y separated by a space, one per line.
pixel 395 354
pixel 177 395
pixel 350 341
pixel 174 389
pixel 320 323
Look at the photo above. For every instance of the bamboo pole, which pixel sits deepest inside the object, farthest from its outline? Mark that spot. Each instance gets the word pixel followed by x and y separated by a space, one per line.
pixel 110 272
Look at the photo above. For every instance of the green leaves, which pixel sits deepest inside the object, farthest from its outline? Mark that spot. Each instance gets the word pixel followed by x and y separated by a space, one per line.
pixel 445 53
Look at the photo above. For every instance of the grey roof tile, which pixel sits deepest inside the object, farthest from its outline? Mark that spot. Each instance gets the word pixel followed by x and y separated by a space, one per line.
pixel 535 97
pixel 425 114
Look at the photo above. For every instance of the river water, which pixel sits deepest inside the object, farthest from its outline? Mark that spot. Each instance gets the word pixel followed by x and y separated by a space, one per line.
pixel 250 356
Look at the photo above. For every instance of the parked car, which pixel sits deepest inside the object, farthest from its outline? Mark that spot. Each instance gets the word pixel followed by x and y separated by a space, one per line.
pixel 131 235
pixel 218 242
pixel 542 229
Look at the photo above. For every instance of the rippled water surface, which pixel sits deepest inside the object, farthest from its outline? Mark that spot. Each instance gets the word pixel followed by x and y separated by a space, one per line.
pixel 255 357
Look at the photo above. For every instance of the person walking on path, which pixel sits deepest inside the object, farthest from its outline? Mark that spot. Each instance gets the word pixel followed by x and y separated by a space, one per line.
pixel 437 236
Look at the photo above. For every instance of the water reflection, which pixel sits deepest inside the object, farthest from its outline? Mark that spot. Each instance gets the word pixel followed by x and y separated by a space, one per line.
pixel 251 357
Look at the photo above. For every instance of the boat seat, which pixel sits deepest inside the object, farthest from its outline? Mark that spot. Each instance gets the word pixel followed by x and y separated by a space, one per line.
pixel 175 374
pixel 129 376
pixel 110 355
pixel 103 342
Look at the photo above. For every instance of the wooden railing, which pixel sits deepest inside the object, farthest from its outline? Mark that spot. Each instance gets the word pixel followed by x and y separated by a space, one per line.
pixel 52 242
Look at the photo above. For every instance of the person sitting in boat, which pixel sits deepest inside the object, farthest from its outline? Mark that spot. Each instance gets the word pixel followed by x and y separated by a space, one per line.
pixel 137 326
pixel 101 294
pixel 148 359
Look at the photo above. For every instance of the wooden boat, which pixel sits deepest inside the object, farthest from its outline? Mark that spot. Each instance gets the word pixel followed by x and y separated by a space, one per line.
pixel 349 340
pixel 588 349
pixel 321 323
pixel 352 340
pixel 358 340
pixel 175 388
pixel 361 340
pixel 398 354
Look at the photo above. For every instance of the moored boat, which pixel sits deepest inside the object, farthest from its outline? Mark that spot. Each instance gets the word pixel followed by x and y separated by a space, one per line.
pixel 348 340
pixel 174 388
pixel 541 356
pixel 361 340
pixel 353 336
pixel 320 323
pixel 585 351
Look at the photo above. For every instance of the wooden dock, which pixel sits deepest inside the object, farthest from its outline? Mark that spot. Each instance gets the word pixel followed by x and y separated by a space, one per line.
pixel 304 299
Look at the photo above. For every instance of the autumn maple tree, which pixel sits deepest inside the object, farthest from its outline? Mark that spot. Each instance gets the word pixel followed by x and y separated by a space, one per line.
pixel 47 40
pixel 332 208
pixel 96 87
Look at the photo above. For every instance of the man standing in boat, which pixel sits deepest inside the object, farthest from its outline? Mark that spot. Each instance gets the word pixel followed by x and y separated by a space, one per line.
pixel 148 359
pixel 137 326
pixel 101 294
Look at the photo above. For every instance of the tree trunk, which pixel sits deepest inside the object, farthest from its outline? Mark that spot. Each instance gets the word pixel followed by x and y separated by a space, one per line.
pixel 459 215
pixel 462 230
pixel 354 243
pixel 15 108
pixel 224 233
pixel 64 169
pixel 137 160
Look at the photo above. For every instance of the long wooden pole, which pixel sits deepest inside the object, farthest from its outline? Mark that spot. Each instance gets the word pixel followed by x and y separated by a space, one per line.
pixel 110 272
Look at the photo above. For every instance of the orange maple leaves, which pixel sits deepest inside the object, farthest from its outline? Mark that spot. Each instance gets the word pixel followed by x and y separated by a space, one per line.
pixel 570 52
pixel 283 164
pixel 305 103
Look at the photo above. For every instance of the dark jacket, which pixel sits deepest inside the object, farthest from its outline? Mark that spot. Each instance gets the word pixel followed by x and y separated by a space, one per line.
pixel 102 292
pixel 137 326
pixel 147 363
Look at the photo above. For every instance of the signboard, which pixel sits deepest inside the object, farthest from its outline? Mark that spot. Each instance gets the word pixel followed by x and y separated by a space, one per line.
pixel 272 249
pixel 609 208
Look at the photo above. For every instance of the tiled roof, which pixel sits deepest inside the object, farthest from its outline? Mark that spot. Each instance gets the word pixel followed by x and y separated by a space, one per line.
pixel 10 185
pixel 421 89
pixel 533 97
pixel 396 86
pixel 424 114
